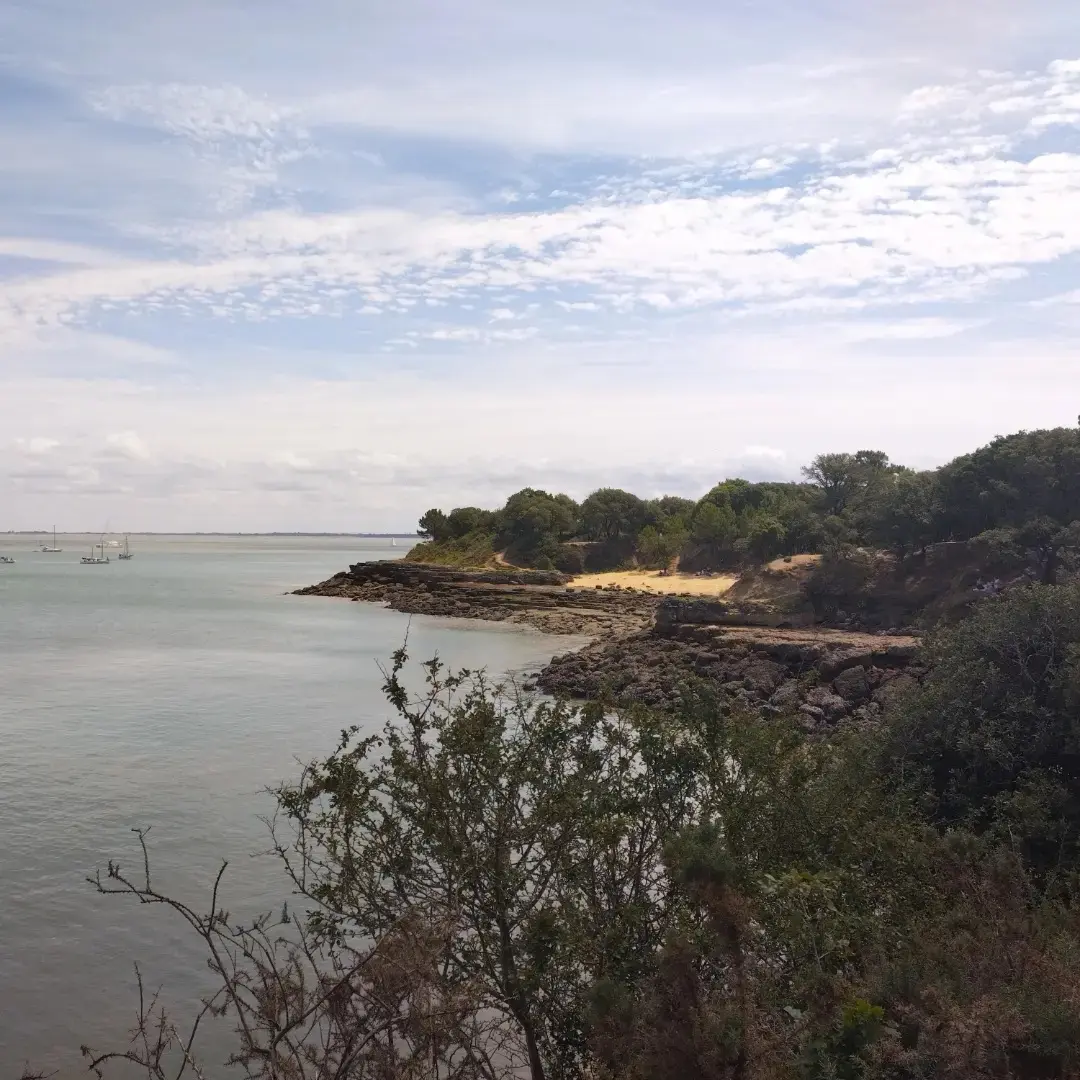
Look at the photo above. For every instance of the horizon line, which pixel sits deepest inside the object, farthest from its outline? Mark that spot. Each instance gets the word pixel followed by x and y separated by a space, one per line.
pixel 155 532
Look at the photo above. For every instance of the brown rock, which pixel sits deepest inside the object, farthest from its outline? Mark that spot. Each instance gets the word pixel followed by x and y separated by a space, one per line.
pixel 853 684
pixel 832 705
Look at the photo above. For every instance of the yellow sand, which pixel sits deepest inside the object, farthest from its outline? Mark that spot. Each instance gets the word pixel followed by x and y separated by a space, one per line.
pixel 794 562
pixel 651 581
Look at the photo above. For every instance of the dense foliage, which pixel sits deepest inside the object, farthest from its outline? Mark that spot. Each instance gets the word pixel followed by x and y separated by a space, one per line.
pixel 1021 491
pixel 992 736
pixel 499 887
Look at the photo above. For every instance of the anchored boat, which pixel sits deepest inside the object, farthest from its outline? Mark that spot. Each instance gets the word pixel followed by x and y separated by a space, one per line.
pixel 96 559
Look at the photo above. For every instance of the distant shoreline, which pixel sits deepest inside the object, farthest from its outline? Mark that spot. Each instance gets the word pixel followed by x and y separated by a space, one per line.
pixel 138 532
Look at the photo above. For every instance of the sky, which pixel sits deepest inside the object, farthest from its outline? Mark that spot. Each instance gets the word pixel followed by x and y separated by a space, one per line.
pixel 320 265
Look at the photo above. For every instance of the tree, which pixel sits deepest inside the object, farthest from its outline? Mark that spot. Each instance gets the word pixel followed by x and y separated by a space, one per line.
pixel 906 512
pixel 502 888
pixel 657 550
pixel 765 537
pixel 1012 480
pixel 840 582
pixel 669 507
pixel 534 522
pixel 991 733
pixel 434 525
pixel 483 875
pixel 535 832
pixel 715 528
pixel 469 519
pixel 530 515
pixel 1049 544
pixel 303 1008
pixel 736 493
pixel 610 514
pixel 844 478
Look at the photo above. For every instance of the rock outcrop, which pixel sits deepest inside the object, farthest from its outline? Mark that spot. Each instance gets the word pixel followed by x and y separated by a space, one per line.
pixel 536 598
pixel 819 675
pixel 650 650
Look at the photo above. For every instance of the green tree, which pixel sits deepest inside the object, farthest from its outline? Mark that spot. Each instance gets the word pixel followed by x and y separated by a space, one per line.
pixel 469 519
pixel 905 514
pixel 669 507
pixel 1011 481
pixel 610 513
pixel 535 831
pixel 533 523
pixel 657 550
pixel 1050 544
pixel 765 537
pixel 715 528
pixel 738 494
pixel 843 479
pixel 435 525
pixel 501 888
pixel 991 732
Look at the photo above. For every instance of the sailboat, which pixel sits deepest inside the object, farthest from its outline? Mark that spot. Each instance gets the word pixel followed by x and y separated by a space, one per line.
pixel 127 553
pixel 96 560
pixel 54 548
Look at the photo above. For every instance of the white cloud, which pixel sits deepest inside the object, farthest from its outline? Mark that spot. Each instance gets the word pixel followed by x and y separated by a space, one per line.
pixel 770 453
pixel 948 213
pixel 914 329
pixel 36 446
pixel 250 138
pixel 203 114
pixel 774 221
pixel 374 453
pixel 127 444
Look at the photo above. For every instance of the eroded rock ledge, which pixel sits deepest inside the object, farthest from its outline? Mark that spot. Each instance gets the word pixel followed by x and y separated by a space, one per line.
pixel 536 598
pixel 649 649
pixel 820 675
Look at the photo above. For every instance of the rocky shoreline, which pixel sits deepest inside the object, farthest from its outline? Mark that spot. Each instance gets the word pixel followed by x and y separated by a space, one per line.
pixel 822 676
pixel 648 649
pixel 535 598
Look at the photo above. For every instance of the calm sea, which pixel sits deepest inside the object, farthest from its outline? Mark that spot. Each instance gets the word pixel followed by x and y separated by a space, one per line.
pixel 168 691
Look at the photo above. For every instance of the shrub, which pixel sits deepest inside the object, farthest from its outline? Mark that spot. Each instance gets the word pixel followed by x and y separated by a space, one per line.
pixel 839 582
pixel 570 559
pixel 991 733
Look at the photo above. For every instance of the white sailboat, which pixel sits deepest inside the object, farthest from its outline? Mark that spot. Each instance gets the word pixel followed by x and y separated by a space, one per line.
pixel 45 547
pixel 127 553
pixel 96 560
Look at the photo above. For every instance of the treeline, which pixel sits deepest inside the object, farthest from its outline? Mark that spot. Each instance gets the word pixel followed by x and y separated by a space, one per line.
pixel 1021 493
pixel 500 888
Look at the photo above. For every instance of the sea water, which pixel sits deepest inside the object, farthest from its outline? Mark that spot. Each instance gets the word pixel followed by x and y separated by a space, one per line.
pixel 169 691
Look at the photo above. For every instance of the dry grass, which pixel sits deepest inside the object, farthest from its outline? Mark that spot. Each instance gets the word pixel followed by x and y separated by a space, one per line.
pixel 651 581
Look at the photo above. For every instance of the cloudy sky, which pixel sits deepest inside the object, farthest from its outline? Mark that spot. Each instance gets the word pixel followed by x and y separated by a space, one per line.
pixel 273 264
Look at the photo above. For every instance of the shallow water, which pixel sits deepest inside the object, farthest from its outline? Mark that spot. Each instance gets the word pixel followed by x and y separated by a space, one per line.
pixel 168 691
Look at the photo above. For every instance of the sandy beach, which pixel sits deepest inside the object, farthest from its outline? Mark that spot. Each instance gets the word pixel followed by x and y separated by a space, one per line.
pixel 653 581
